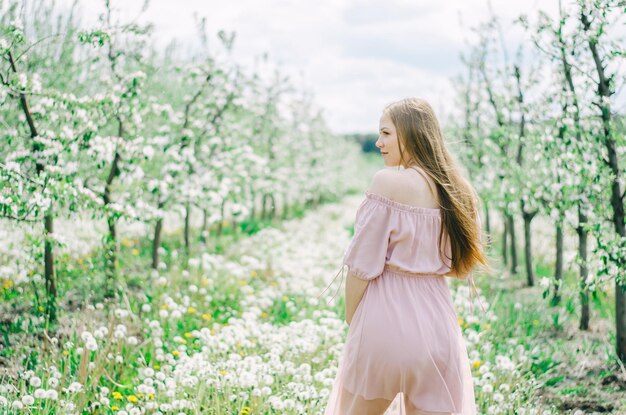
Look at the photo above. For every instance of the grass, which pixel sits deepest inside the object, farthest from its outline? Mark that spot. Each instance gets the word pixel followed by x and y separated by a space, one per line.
pixel 562 366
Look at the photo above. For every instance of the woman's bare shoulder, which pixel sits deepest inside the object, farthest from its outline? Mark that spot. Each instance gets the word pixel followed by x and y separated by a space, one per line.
pixel 403 187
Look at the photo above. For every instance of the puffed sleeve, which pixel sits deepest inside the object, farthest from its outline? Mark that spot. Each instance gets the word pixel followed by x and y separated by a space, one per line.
pixel 367 252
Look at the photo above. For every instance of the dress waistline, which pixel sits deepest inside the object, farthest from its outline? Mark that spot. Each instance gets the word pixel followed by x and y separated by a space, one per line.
pixel 387 269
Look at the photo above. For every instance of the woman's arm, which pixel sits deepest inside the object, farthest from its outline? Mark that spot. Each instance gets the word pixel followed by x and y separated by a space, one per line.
pixel 355 288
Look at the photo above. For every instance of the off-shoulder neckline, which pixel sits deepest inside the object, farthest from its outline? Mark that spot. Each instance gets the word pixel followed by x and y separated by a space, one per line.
pixel 403 206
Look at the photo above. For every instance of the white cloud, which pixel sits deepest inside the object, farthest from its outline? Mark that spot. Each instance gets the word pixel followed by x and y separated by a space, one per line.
pixel 356 56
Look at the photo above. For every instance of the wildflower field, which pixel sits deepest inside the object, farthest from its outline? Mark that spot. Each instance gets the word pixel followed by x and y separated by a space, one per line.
pixel 242 332
pixel 169 223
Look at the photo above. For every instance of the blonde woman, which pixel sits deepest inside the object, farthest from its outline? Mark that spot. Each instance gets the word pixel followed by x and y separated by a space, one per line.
pixel 417 224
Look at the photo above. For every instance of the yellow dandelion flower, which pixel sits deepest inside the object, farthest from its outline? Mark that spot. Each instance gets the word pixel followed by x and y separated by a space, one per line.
pixel 183 341
pixel 175 353
pixel 487 325
pixel 253 273
pixel 66 352
pixel 245 411
pixel 535 322
pixel 476 364
pixel 150 396
pixel 212 331
pixel 223 372
pixel 164 307
pixel 191 310
pixel 207 316
pixel 132 398
pixel 157 366
pixel 41 309
pixel 242 283
pixel 135 251
pixel 460 321
pixel 117 395
pixel 285 298
pixel 204 281
pixel 7 284
pixel 188 335
pixel 126 242
pixel 264 314
pixel 115 408
pixel 241 353
pixel 466 325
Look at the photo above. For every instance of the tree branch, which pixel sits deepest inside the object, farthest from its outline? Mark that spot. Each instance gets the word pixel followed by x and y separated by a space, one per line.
pixel 10 171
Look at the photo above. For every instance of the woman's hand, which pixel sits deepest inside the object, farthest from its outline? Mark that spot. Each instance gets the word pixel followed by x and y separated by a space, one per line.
pixel 355 288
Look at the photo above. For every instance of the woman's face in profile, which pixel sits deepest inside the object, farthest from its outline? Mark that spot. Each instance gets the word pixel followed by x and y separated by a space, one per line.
pixel 388 141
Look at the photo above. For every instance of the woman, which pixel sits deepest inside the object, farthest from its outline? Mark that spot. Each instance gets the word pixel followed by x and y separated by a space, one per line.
pixel 415 226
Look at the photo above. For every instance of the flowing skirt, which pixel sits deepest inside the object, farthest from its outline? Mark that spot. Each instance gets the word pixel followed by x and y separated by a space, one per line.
pixel 404 344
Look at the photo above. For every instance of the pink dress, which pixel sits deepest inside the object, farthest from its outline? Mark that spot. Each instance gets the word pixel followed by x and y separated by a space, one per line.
pixel 404 335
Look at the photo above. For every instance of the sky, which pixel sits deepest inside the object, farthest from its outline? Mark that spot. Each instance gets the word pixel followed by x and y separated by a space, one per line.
pixel 354 56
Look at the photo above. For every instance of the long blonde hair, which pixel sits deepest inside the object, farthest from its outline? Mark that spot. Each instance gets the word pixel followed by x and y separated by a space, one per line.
pixel 418 130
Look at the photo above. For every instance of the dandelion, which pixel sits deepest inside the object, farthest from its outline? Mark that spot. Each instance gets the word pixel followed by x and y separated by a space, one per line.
pixel 28 400
pixel 74 387
pixel 52 394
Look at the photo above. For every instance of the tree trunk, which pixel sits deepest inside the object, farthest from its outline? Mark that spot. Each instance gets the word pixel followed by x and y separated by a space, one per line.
pixel 505 238
pixel 205 226
pixel 111 245
pixel 582 253
pixel 264 206
pixel 558 266
pixel 513 244
pixel 111 258
pixel 51 289
pixel 604 93
pixel 253 209
pixel 186 231
pixel 528 249
pixel 156 243
pixel 220 225
pixel 49 275
pixel 285 207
